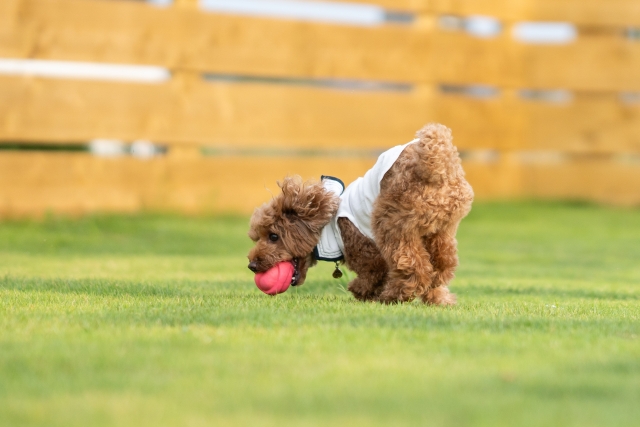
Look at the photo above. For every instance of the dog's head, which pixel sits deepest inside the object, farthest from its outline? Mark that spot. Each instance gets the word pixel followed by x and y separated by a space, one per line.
pixel 289 226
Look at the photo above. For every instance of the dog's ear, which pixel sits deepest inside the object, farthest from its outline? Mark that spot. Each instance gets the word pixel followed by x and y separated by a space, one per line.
pixel 308 202
pixel 291 203
pixel 303 208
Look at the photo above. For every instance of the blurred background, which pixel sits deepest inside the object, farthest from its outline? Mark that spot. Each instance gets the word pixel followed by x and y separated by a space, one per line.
pixel 118 117
pixel 201 106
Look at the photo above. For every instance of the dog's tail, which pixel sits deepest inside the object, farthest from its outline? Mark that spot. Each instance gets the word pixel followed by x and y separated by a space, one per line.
pixel 438 160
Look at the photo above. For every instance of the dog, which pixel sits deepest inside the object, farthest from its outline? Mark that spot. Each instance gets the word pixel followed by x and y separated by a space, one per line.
pixel 395 227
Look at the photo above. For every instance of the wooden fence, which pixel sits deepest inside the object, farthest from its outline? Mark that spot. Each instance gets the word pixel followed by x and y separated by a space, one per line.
pixel 532 120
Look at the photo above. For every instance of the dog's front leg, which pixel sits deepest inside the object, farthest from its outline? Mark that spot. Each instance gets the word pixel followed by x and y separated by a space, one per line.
pixel 363 257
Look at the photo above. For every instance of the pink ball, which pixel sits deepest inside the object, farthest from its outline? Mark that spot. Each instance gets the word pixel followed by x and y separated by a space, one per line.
pixel 276 280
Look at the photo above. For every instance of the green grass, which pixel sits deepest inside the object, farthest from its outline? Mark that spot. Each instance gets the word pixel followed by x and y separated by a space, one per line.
pixel 154 320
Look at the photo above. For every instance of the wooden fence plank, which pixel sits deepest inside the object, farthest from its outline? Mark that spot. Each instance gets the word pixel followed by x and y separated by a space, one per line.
pixel 184 38
pixel 127 32
pixel 222 114
pixel 584 12
pixel 591 123
pixel 588 123
pixel 594 62
pixel 595 179
pixel 33 184
pixel 253 115
pixel 464 59
pixel 498 179
pixel 481 123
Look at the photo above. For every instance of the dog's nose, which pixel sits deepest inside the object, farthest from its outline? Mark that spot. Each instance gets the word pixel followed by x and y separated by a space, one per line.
pixel 253 266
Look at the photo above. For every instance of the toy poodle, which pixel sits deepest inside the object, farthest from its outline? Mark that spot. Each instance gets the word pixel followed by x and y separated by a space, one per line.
pixel 395 227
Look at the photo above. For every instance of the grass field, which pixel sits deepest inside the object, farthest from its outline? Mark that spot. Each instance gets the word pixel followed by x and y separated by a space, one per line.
pixel 155 321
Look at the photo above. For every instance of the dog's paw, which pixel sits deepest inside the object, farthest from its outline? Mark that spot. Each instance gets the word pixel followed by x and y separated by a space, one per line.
pixel 440 296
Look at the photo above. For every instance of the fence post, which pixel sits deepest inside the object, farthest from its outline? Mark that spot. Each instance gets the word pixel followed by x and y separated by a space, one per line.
pixel 186 81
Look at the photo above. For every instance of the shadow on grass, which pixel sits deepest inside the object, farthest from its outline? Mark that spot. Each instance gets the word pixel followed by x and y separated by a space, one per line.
pixel 546 292
pixel 614 378
pixel 199 303
pixel 101 287
pixel 183 288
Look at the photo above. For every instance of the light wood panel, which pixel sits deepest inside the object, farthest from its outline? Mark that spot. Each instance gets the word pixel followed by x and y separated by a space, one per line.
pixel 186 38
pixel 482 123
pixel 33 184
pixel 583 12
pixel 604 180
pixel 591 123
pixel 594 62
pixel 191 111
pixel 586 123
pixel 252 115
pixel 495 178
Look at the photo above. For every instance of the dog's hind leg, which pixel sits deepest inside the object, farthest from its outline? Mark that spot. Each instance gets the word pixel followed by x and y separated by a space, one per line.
pixel 362 257
pixel 410 270
pixel 444 256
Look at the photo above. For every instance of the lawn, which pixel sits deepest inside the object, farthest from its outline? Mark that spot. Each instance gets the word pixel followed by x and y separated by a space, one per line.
pixel 154 320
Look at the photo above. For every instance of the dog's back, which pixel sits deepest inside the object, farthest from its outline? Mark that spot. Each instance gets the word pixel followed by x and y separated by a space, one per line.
pixel 429 173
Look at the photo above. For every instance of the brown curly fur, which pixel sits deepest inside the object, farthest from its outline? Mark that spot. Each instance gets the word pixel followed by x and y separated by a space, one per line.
pixel 422 199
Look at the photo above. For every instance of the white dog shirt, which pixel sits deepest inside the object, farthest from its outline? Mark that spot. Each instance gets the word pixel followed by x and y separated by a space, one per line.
pixel 356 204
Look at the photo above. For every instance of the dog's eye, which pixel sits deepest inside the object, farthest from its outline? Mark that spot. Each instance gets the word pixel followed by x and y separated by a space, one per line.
pixel 273 237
